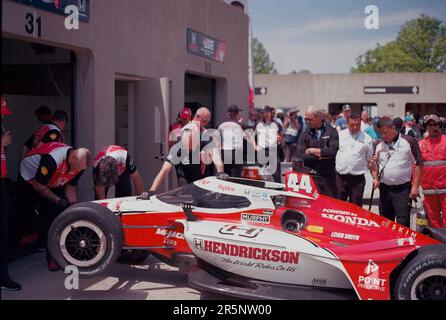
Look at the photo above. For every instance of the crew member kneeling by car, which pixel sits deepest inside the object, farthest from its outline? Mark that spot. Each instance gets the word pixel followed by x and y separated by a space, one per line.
pixel 114 166
pixel 54 170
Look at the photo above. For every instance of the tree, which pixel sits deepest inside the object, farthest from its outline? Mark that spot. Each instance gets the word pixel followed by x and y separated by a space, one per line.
pixel 419 47
pixel 304 71
pixel 262 61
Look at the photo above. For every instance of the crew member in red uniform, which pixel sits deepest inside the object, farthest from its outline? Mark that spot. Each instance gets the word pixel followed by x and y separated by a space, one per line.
pixel 6 282
pixel 50 132
pixel 53 170
pixel 433 180
pixel 114 166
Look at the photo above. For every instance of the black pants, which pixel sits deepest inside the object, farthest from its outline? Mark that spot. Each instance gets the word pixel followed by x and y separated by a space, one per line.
pixel 48 210
pixel 394 202
pixel 350 187
pixel 27 212
pixel 123 188
pixel 327 184
pixel 5 227
pixel 233 162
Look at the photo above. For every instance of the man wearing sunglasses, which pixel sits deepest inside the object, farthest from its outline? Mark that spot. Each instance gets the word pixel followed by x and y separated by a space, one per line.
pixel 433 181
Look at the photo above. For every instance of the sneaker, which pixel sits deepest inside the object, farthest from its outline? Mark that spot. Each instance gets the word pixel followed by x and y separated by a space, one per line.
pixel 8 284
pixel 53 266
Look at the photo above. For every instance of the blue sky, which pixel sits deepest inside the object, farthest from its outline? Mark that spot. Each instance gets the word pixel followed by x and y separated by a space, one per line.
pixel 326 36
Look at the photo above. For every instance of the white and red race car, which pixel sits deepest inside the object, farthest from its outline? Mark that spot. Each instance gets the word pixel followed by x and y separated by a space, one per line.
pixel 258 240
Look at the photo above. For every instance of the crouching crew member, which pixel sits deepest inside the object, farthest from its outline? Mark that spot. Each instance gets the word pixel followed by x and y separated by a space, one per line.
pixel 54 170
pixel 113 166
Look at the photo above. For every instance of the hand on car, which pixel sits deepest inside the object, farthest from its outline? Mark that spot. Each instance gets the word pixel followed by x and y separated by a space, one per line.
pixel 146 195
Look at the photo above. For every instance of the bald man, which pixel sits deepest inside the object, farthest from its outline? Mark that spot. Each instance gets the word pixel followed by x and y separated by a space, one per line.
pixel 193 155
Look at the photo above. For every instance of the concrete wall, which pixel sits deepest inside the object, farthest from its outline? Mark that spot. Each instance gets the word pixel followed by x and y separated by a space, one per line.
pixel 306 89
pixel 138 40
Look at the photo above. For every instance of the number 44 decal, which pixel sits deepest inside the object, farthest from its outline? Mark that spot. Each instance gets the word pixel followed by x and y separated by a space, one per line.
pixel 294 184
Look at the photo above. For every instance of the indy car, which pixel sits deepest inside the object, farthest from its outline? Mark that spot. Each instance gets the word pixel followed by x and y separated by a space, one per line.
pixel 257 240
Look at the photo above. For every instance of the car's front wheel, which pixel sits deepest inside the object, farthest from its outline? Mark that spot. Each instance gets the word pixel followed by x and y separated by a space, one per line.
pixel 87 236
pixel 424 278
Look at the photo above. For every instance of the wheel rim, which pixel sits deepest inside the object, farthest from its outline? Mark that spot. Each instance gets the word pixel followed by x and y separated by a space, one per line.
pixel 430 285
pixel 83 243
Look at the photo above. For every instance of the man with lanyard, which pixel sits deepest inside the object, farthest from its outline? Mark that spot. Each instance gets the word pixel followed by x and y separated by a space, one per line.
pixel 50 132
pixel 433 181
pixel 53 170
pixel 318 146
pixel 355 152
pixel 6 282
pixel 232 137
pixel 114 166
pixel 392 171
pixel 191 154
pixel 269 137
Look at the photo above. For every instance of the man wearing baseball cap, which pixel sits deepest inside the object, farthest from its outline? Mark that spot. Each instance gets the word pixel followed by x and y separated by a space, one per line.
pixel 433 180
pixel 185 116
pixel 7 283
pixel 341 123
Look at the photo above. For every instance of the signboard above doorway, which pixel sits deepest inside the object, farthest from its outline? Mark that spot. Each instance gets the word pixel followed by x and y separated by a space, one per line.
pixel 392 90
pixel 205 46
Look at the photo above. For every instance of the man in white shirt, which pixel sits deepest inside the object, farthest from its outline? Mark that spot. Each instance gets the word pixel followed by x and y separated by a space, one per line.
pixel 269 136
pixel 355 151
pixel 232 136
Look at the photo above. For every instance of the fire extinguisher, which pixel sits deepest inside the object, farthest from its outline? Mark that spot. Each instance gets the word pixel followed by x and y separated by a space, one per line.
pixel 422 220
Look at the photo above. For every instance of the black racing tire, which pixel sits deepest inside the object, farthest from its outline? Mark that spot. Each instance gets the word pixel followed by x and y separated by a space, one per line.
pixel 133 256
pixel 424 278
pixel 88 236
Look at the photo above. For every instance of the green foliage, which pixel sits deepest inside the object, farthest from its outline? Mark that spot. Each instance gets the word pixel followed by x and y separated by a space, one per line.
pixel 419 47
pixel 262 61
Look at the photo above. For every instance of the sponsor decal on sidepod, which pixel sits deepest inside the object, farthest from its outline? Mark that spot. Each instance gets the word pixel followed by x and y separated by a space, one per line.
pixel 255 253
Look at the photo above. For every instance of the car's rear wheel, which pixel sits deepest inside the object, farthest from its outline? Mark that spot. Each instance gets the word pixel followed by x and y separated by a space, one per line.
pixel 133 256
pixel 424 278
pixel 87 237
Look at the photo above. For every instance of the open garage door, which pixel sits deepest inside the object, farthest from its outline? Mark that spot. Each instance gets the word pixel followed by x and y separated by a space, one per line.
pixel 150 114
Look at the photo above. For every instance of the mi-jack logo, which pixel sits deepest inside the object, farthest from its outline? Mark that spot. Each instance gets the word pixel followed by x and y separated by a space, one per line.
pixel 372 20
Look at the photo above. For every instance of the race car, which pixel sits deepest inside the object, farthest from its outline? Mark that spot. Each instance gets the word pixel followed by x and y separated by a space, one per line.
pixel 258 240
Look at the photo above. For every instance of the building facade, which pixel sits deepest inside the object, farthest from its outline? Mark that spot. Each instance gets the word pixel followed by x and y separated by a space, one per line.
pixel 125 73
pixel 381 94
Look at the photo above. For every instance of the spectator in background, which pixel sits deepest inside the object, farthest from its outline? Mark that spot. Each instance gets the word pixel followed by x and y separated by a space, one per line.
pixel 392 168
pixel 355 152
pixel 269 137
pixel 253 118
pixel 52 131
pixel 318 146
pixel 410 127
pixel 43 114
pixel 433 180
pixel 279 117
pixel 292 130
pixel 6 282
pixel 399 125
pixel 232 136
pixel 364 121
pixel 373 132
pixel 341 123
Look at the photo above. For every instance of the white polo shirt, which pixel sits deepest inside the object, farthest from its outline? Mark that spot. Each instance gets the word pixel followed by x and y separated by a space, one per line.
pixel 398 158
pixel 267 134
pixel 231 135
pixel 354 153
